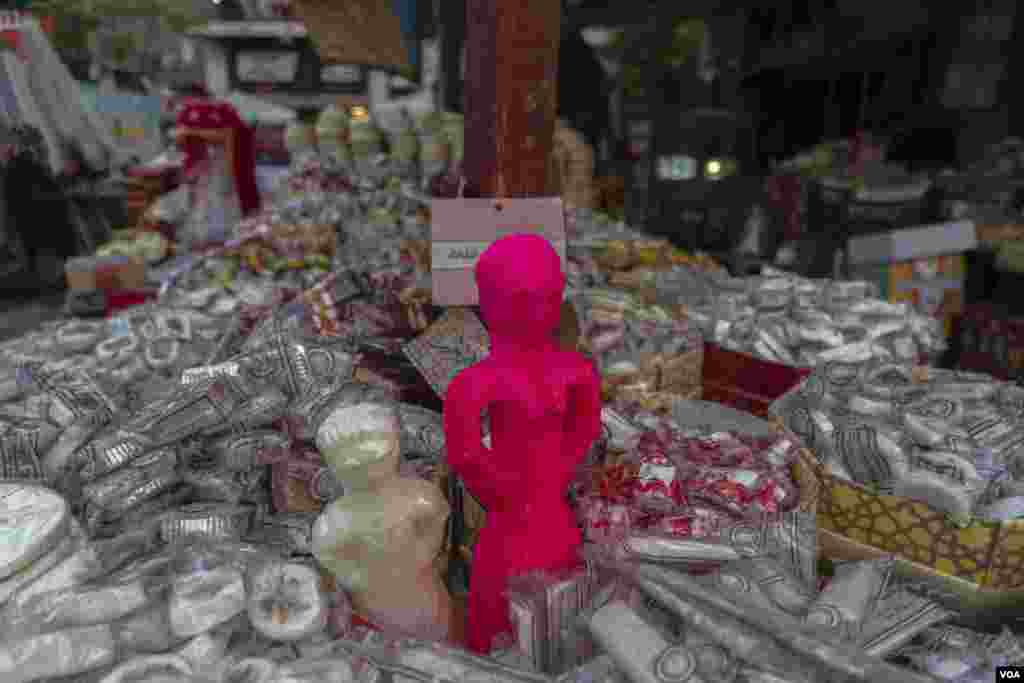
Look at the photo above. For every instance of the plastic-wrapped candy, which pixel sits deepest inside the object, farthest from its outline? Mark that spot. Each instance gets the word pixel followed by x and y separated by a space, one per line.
pixel 74 396
pixel 288 533
pixel 145 478
pixel 639 650
pixel 145 632
pixel 898 617
pixel 768 638
pixel 286 602
pixel 657 485
pixel 252 670
pixel 849 598
pixel 71 652
pixel 35 519
pixel 544 608
pixel 84 605
pixel 210 520
pixel 956 654
pixel 205 599
pixel 12 585
pixel 237 452
pixel 603 520
pixel 936 436
pixel 781 584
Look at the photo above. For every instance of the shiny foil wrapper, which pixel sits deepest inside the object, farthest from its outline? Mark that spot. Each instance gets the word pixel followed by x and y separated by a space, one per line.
pixel 215 521
pixel 79 336
pixel 849 598
pixel 109 452
pixel 146 515
pixel 174 325
pixel 565 597
pixel 738 586
pixel 290 533
pixel 780 584
pixel 258 411
pixel 868 454
pixel 774 641
pixel 422 432
pixel 111 350
pixel 898 617
pixel 618 430
pixel 163 353
pixel 727 545
pixel 527 616
pixel 204 406
pixel 639 650
pixel 23 444
pixel 145 478
pixel 221 486
pixel 296 366
pixel 76 396
pixel 239 452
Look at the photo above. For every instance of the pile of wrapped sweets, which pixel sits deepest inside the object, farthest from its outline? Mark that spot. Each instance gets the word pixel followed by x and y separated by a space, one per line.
pixel 799 322
pixel 768 617
pixel 662 481
pixel 949 439
pixel 635 345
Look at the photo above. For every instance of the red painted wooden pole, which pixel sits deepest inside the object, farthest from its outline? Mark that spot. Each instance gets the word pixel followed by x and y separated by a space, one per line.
pixel 510 95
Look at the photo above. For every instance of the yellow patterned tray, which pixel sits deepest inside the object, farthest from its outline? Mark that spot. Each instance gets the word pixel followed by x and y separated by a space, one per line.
pixel 982 564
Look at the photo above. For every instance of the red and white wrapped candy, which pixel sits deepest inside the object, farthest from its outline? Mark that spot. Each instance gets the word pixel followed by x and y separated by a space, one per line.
pixel 720 449
pixel 740 491
pixel 604 521
pixel 657 486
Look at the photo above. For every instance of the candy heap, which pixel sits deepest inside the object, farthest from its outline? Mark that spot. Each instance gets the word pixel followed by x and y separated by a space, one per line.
pixel 949 439
pixel 684 483
pixel 798 322
pixel 636 347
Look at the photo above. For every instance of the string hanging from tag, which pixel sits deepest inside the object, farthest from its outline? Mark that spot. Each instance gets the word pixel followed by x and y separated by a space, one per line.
pixel 502 131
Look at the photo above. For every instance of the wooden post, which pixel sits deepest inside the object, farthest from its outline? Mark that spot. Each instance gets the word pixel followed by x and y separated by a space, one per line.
pixel 511 95
pixel 453 37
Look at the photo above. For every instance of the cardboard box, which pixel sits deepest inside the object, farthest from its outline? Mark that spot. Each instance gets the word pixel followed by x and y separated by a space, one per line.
pixel 925 266
pixel 745 382
pixel 107 274
pixel 991 341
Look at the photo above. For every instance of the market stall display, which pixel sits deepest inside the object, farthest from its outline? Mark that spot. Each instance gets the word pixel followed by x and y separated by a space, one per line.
pixel 251 478
pixel 920 463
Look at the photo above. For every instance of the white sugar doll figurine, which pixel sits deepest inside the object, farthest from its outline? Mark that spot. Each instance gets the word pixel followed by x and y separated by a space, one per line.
pixel 381 539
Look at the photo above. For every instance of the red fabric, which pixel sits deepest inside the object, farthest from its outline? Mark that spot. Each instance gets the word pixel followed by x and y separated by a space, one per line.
pixel 198 113
pixel 785 192
pixel 544 406
pixel 748 373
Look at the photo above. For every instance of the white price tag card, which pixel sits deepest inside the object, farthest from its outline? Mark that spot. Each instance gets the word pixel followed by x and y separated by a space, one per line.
pixel 461 229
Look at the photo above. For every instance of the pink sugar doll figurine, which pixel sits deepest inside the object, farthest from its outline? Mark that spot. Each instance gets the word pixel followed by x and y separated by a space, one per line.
pixel 544 405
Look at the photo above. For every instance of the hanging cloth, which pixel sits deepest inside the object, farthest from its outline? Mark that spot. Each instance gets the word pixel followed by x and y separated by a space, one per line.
pixel 32 114
pixel 8 105
pixel 56 85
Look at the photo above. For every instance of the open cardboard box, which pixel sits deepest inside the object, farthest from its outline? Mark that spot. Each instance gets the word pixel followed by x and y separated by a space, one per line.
pixel 107 274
